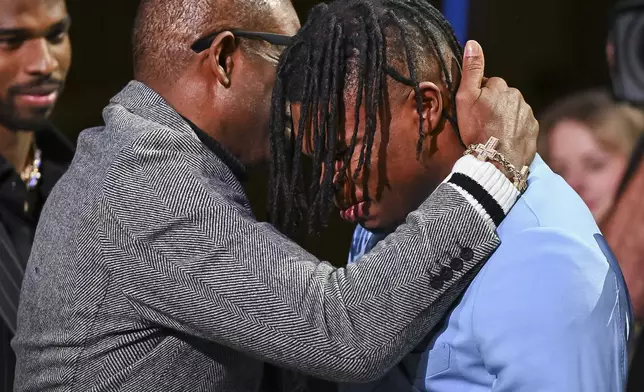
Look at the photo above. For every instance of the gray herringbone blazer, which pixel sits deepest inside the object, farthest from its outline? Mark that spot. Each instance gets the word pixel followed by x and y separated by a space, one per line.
pixel 149 273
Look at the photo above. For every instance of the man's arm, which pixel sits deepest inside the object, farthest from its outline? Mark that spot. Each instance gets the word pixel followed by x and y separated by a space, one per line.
pixel 544 323
pixel 504 196
pixel 210 270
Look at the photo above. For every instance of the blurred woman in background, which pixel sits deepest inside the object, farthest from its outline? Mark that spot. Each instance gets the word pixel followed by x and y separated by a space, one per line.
pixel 588 139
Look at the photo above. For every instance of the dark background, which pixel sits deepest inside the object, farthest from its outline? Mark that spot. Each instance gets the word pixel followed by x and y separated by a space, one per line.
pixel 546 48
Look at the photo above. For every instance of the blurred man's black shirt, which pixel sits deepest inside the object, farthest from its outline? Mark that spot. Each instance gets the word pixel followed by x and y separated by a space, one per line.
pixel 19 212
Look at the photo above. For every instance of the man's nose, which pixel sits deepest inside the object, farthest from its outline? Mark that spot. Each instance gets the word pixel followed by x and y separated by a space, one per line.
pixel 40 59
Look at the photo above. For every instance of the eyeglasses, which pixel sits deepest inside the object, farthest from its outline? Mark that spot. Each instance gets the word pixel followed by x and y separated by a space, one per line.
pixel 275 39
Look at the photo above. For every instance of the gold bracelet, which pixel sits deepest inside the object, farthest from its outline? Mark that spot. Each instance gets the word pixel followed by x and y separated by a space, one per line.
pixel 487 151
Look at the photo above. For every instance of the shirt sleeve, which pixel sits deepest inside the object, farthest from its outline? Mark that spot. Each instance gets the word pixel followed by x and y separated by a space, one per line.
pixel 550 318
pixel 190 257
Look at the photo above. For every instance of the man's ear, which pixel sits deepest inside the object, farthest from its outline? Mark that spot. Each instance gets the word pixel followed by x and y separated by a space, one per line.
pixel 220 57
pixel 432 106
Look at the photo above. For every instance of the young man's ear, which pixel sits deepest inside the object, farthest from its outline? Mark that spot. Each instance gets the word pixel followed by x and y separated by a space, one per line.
pixel 432 106
pixel 221 57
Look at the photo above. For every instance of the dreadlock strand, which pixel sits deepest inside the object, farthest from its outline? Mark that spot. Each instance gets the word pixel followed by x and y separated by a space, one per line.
pixel 276 141
pixel 359 65
pixel 337 88
pixel 324 134
pixel 412 14
pixel 370 63
pixel 279 169
pixel 412 76
pixel 374 70
pixel 294 191
pixel 316 134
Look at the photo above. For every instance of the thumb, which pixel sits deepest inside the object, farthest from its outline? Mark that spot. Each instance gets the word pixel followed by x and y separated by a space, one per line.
pixel 473 69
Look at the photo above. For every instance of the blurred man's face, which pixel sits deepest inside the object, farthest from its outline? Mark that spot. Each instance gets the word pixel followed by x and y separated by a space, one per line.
pixel 35 55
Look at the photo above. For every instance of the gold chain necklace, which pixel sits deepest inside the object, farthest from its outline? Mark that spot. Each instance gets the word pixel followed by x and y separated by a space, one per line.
pixel 30 175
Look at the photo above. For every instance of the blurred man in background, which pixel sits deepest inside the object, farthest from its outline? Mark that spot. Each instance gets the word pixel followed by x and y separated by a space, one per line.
pixel 35 55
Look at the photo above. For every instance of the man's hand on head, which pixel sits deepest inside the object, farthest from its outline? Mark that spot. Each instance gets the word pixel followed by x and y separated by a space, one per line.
pixel 488 107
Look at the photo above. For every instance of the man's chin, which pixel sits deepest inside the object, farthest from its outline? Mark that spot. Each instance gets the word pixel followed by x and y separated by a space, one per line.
pixel 376 227
pixel 371 223
pixel 26 124
pixel 379 224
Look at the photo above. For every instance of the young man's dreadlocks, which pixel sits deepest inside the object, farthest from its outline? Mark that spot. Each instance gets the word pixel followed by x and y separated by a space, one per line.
pixel 368 40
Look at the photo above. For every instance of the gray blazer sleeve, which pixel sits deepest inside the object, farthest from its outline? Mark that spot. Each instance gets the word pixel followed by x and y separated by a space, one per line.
pixel 208 269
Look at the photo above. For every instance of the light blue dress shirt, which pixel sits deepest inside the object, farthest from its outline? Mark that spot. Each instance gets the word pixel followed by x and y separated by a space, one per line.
pixel 548 312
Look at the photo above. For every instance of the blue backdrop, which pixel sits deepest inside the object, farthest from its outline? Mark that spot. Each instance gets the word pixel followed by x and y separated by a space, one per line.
pixel 457 12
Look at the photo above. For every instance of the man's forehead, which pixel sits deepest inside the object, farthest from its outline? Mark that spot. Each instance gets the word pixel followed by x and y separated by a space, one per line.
pixel 31 14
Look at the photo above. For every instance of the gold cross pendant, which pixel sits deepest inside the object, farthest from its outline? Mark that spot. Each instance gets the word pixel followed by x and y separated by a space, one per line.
pixel 488 150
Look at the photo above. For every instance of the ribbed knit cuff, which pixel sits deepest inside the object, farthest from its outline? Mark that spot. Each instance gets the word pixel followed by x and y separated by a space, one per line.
pixel 485 187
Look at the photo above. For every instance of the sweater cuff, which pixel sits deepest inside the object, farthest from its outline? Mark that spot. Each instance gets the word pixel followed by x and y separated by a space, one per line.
pixel 485 187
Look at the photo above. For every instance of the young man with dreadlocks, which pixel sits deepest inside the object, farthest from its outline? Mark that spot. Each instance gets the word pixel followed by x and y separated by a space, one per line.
pixel 370 85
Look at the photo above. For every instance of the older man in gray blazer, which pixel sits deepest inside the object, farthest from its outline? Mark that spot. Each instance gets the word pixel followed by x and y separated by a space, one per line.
pixel 149 271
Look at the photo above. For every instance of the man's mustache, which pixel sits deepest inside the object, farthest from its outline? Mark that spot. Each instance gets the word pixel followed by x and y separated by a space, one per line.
pixel 38 86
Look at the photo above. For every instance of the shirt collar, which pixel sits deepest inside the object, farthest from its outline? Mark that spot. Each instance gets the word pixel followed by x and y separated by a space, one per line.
pixel 220 151
pixel 142 100
pixel 54 145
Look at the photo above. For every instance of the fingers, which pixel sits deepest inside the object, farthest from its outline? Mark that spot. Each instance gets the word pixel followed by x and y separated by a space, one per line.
pixel 496 83
pixel 473 70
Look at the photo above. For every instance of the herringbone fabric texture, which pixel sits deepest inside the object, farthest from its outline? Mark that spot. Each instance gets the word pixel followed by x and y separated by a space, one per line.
pixel 149 273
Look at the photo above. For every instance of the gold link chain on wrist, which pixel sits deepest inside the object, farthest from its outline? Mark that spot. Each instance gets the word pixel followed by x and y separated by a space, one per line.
pixel 487 151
